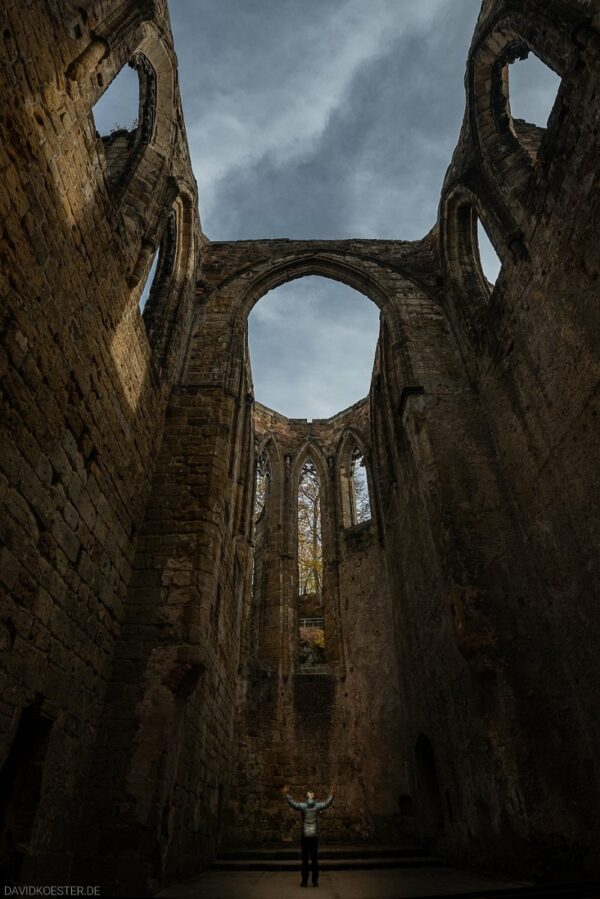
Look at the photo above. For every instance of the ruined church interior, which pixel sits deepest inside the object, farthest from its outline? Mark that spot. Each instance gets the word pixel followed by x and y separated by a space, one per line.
pixel 202 599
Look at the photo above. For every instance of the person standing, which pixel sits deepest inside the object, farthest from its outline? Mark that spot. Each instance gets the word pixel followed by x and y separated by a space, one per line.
pixel 309 839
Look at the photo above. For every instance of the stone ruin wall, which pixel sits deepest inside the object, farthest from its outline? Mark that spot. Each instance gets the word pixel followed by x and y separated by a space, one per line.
pixel 127 473
pixel 84 379
pixel 539 681
pixel 317 730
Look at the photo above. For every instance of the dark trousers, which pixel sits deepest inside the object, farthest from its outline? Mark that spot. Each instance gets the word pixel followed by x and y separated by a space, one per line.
pixel 310 849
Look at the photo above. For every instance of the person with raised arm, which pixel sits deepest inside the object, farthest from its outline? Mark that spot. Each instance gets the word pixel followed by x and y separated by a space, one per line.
pixel 309 839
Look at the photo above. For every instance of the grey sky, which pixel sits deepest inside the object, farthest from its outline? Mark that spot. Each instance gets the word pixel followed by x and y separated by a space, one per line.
pixel 323 119
pixel 318 335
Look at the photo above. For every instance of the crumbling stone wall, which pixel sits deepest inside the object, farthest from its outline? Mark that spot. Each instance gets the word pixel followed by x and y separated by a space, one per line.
pixel 316 729
pixel 84 380
pixel 425 416
pixel 167 729
pixel 523 343
pixel 461 622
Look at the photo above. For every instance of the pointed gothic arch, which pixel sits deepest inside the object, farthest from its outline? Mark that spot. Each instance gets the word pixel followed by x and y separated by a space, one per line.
pixel 354 480
pixel 509 149
pixel 175 255
pixel 462 212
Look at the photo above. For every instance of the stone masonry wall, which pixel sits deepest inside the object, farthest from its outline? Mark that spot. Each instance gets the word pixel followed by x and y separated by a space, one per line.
pixel 83 390
pixel 167 729
pixel 531 346
pixel 317 730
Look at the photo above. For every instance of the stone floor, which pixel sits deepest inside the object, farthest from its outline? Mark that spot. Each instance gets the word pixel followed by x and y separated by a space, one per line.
pixel 382 884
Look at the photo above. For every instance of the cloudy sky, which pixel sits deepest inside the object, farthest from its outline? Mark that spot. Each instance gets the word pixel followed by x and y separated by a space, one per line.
pixel 322 119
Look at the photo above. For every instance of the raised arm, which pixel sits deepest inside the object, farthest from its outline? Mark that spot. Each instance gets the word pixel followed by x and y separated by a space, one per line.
pixel 320 806
pixel 299 806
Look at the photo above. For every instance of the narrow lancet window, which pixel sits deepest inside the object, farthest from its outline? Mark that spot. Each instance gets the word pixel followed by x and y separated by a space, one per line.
pixel 310 568
pixel 488 257
pixel 125 118
pixel 149 282
pixel 262 485
pixel 263 478
pixel 354 482
pixel 360 487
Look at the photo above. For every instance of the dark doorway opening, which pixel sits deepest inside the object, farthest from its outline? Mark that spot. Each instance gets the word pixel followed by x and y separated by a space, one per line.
pixel 20 790
pixel 429 801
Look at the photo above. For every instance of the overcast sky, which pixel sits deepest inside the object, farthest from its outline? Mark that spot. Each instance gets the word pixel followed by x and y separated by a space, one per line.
pixel 322 119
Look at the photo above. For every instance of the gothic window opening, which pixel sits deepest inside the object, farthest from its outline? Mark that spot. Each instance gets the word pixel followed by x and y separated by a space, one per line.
pixel 312 343
pixel 124 117
pixel 356 501
pixel 263 480
pixel 20 790
pixel 262 484
pixel 118 107
pixel 360 488
pixel 116 117
pixel 149 281
pixel 533 88
pixel 428 798
pixel 310 568
pixel 159 274
pixel 488 257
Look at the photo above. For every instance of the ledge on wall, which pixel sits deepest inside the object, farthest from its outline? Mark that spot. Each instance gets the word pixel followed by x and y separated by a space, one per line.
pixel 359 534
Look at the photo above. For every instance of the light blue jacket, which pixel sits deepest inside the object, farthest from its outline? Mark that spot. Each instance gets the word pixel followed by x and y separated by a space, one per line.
pixel 310 813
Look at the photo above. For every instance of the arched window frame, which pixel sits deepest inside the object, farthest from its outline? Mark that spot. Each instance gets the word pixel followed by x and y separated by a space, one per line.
pixel 351 446
pixel 309 460
pixel 461 210
pixel 146 189
pixel 329 598
pixel 176 253
pixel 119 170
pixel 510 153
pixel 132 35
pixel 262 469
pixel 166 252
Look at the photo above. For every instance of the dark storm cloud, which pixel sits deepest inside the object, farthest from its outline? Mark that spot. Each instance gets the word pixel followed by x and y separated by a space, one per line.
pixel 322 119
pixel 376 169
pixel 338 120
